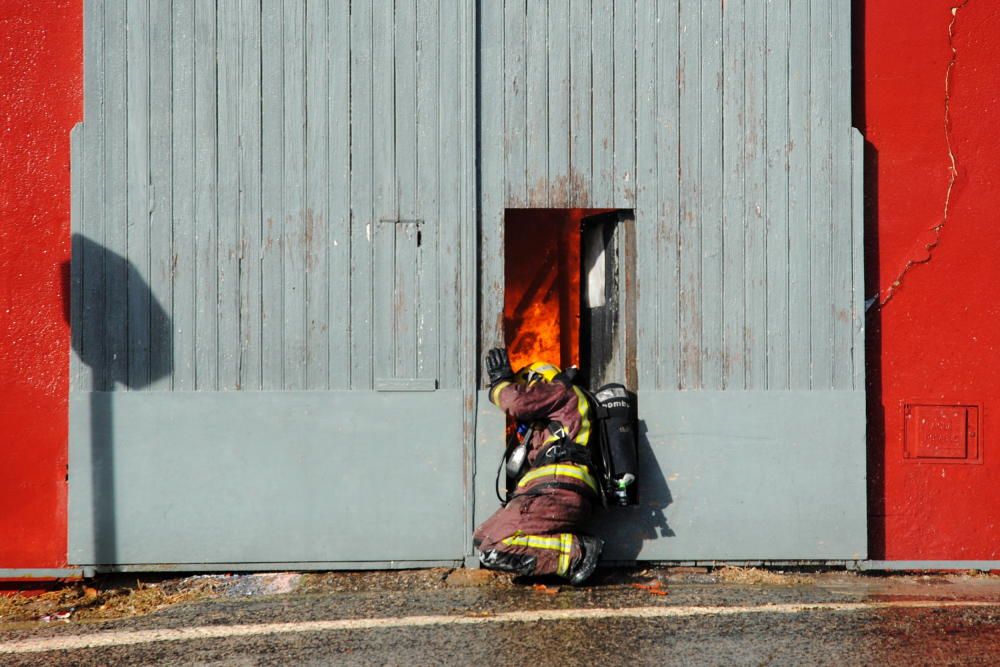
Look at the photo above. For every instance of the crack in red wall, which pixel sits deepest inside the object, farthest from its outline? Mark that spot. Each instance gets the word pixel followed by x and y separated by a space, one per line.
pixel 923 249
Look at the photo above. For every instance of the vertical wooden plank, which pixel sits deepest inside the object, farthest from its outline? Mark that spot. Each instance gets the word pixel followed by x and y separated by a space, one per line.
pixel 272 196
pixel 116 195
pixel 560 187
pixel 658 367
pixel 857 256
pixel 317 214
pixel 603 100
pixel 777 193
pixel 91 264
pixel 293 192
pixel 690 195
pixel 515 137
pixel 498 68
pixel 339 148
pixel 228 263
pixel 250 338
pixel 798 198
pixel 183 183
pixel 385 202
pixel 821 195
pixel 407 300
pixel 161 186
pixel 624 103
pixel 537 58
pixel 384 290
pixel 842 214
pixel 580 102
pixel 453 215
pixel 710 185
pixel 405 305
pixel 206 221
pixel 734 144
pixel 428 165
pixel 361 193
pixel 754 199
pixel 78 373
pixel 647 184
pixel 137 241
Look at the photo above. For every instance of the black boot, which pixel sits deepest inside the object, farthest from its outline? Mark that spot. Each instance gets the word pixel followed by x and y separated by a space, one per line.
pixel 591 548
pixel 507 562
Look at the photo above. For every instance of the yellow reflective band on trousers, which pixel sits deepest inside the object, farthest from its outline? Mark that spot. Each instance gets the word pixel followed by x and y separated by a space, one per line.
pixel 560 470
pixel 563 543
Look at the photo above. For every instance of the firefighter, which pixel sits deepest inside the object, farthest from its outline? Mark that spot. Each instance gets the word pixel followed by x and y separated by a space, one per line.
pixel 538 531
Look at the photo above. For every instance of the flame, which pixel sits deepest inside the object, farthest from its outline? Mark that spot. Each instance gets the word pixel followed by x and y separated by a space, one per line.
pixel 542 295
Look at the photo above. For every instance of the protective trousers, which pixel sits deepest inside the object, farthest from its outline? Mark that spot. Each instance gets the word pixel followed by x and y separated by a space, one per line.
pixel 536 533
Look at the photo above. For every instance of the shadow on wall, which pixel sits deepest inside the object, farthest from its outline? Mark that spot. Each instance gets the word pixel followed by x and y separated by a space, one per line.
pixel 123 336
pixel 625 529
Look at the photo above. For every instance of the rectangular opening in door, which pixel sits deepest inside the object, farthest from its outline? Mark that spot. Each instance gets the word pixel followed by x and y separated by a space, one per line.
pixel 569 291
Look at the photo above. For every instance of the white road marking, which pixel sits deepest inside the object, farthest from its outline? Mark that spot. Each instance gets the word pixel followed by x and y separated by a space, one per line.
pixel 126 638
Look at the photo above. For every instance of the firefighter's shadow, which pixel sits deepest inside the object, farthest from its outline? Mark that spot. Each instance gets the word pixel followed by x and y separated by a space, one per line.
pixel 626 529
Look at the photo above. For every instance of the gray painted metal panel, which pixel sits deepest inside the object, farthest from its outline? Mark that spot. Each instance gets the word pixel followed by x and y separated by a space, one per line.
pixel 244 477
pixel 730 476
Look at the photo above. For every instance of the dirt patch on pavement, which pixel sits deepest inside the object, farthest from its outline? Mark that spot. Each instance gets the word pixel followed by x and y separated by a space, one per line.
pixel 106 600
pixel 752 576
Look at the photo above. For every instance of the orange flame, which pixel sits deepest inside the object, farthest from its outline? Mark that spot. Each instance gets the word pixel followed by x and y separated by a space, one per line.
pixel 542 295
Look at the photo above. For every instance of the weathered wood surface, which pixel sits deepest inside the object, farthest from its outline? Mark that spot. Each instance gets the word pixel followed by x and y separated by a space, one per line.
pixel 251 160
pixel 726 127
pixel 235 163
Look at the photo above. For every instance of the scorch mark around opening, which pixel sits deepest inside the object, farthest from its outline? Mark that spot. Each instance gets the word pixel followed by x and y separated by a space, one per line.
pixel 928 241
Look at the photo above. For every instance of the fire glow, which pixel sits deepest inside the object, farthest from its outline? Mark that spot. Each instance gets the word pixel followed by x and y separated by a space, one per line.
pixel 542 292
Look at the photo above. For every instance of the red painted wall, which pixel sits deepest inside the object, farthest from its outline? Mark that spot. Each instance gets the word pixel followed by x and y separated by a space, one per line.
pixel 41 91
pixel 935 338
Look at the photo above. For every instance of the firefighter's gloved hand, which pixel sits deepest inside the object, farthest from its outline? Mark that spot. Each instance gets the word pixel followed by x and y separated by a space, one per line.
pixel 498 366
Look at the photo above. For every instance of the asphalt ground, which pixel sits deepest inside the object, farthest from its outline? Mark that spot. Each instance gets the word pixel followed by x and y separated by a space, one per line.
pixel 657 616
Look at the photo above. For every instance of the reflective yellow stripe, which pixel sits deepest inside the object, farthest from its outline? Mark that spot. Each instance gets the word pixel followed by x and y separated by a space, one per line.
pixel 495 392
pixel 535 542
pixel 583 437
pixel 560 470
pixel 566 548
pixel 563 543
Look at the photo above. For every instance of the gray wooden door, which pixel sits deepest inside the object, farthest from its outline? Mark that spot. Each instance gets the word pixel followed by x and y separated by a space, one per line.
pixel 271 314
pixel 726 128
pixel 279 298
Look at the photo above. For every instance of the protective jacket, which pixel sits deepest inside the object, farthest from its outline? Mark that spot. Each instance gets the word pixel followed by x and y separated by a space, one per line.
pixel 561 418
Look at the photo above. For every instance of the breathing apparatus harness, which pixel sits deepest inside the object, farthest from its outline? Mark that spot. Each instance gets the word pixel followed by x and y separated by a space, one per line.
pixel 611 453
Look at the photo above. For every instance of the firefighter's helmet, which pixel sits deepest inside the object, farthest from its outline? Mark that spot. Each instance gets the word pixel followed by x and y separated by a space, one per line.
pixel 539 371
